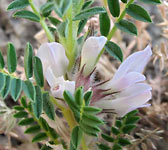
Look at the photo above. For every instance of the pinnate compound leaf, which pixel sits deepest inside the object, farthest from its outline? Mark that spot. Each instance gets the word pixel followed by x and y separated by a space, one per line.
pixel 48 106
pixel 104 24
pixel 127 27
pixel 138 13
pixel 114 7
pixel 40 137
pixel 38 71
pixel 27 15
pixel 29 89
pixel 6 88
pixel 155 2
pixel 28 61
pixel 16 88
pixel 11 58
pixel 114 50
pixel 18 4
pixel 38 102
pixel 76 137
pixel 2 62
pixel 89 13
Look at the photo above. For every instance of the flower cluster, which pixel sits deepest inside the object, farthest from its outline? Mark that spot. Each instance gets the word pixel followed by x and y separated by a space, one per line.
pixel 124 92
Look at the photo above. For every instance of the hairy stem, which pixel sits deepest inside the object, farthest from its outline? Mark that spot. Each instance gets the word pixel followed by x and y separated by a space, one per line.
pixel 42 22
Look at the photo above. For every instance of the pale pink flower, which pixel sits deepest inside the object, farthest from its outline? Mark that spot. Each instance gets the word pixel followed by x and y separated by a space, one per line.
pixel 126 88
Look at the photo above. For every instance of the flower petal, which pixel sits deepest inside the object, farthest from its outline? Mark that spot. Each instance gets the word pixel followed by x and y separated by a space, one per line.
pixel 134 63
pixel 128 101
pixel 90 51
pixel 124 82
pixel 60 85
pixel 53 55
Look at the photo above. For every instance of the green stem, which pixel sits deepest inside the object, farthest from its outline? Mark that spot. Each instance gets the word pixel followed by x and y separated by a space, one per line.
pixel 66 112
pixel 84 145
pixel 114 29
pixel 56 142
pixel 42 22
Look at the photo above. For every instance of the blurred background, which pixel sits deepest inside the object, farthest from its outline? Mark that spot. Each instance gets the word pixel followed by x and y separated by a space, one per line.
pixel 153 127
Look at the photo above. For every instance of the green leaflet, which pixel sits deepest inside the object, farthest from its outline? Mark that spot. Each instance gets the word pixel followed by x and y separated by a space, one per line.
pixel 2 63
pixel 124 1
pixel 54 21
pixel 104 24
pixel 27 15
pixel 38 102
pixel 79 96
pixel 127 26
pixel 11 58
pixel 29 89
pixel 39 137
pixel 139 13
pixel 16 88
pixel 38 71
pixel 2 81
pixel 26 121
pixel 48 106
pixel 114 50
pixel 28 61
pixel 18 4
pixel 32 129
pixel 89 13
pixel 76 137
pixel 6 88
pixel 114 7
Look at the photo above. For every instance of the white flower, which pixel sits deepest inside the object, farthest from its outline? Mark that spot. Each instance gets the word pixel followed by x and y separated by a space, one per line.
pixel 126 83
pixel 90 51
pixel 55 65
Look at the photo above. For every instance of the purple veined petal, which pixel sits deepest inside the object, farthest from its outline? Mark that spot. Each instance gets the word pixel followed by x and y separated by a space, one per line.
pixel 123 105
pixel 134 63
pixel 53 55
pixel 90 51
pixel 124 82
